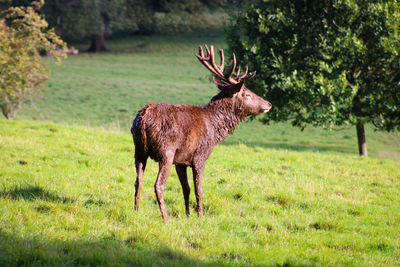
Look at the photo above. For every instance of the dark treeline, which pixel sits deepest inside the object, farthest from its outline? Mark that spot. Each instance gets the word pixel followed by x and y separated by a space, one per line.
pixel 97 20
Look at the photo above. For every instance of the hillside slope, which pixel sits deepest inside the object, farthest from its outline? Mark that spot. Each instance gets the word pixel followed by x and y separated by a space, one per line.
pixel 108 89
pixel 66 198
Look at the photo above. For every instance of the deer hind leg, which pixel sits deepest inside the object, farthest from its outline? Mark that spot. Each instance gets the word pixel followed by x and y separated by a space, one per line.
pixel 140 167
pixel 181 170
pixel 197 177
pixel 163 173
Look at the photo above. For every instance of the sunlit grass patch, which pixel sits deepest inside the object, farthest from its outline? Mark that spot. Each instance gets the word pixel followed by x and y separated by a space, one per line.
pixel 67 195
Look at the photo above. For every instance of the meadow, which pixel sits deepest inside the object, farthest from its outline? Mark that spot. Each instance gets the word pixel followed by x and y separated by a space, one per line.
pixel 273 195
pixel 107 90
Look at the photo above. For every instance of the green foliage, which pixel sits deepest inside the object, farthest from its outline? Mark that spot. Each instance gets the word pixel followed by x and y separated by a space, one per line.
pixel 23 35
pixel 182 21
pixel 185 16
pixel 107 90
pixel 67 194
pixel 139 16
pixel 80 19
pixel 323 63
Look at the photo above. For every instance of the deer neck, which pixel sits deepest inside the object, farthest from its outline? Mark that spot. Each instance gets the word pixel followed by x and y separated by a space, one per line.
pixel 225 114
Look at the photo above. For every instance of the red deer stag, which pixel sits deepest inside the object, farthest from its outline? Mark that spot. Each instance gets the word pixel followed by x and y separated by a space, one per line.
pixel 185 135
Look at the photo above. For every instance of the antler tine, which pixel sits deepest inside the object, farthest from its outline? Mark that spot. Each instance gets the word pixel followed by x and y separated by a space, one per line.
pixel 222 66
pixel 204 59
pixel 245 73
pixel 211 53
pixel 244 77
pixel 209 62
pixel 250 76
pixel 229 76
pixel 238 74
pixel 219 69
pixel 201 53
pixel 208 52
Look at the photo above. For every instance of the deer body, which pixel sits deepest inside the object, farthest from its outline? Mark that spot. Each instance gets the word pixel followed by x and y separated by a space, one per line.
pixel 185 135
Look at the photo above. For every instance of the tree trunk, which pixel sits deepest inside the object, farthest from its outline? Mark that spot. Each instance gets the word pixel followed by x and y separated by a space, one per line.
pixel 7 114
pixel 10 110
pixel 10 116
pixel 98 43
pixel 362 142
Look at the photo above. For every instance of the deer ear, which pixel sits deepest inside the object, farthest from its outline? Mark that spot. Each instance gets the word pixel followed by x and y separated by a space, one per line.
pixel 229 89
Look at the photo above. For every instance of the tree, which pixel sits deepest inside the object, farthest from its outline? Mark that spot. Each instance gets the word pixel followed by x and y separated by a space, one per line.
pixel 80 20
pixel 77 20
pixel 23 36
pixel 323 63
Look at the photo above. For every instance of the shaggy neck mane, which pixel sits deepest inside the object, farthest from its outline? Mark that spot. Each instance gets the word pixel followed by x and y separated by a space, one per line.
pixel 225 114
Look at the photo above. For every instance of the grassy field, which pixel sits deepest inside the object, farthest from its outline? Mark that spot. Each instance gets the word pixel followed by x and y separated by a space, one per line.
pixel 273 195
pixel 66 198
pixel 107 90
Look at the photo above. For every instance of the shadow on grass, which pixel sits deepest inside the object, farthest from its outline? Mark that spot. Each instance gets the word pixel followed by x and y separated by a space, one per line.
pixel 104 252
pixel 32 251
pixel 33 192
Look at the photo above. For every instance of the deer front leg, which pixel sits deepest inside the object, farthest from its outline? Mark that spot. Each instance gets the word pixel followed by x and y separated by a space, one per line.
pixel 163 173
pixel 198 171
pixel 181 170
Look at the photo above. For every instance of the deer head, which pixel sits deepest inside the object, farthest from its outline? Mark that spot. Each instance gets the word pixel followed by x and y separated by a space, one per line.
pixel 233 86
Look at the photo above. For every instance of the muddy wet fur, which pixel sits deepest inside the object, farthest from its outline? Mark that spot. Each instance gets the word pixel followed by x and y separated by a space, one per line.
pixel 184 135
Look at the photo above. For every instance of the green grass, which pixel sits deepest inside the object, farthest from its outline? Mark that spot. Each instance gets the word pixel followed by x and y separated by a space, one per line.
pixel 106 90
pixel 273 195
pixel 66 198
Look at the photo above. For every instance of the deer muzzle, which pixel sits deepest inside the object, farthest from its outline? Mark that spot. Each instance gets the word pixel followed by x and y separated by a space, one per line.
pixel 266 107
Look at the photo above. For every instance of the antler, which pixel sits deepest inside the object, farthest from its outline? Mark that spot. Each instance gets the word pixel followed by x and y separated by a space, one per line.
pixel 209 61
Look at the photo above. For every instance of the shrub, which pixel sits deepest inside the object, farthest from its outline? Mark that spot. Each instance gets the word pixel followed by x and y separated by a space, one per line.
pixel 23 36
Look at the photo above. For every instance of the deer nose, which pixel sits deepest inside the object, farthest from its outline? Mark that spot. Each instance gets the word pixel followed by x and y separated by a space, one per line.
pixel 267 106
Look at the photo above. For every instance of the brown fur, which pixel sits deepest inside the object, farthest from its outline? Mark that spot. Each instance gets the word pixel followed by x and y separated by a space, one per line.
pixel 185 135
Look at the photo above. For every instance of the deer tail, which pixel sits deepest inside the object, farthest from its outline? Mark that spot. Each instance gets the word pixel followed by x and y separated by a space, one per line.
pixel 138 131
